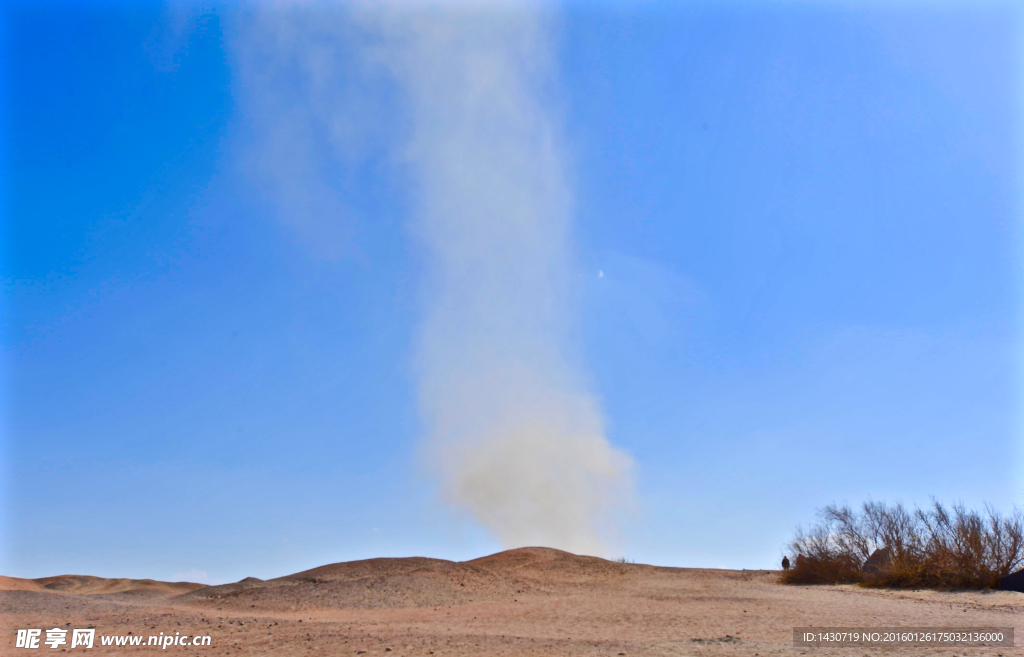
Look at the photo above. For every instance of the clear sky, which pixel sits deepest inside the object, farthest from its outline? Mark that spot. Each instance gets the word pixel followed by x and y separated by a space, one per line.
pixel 796 264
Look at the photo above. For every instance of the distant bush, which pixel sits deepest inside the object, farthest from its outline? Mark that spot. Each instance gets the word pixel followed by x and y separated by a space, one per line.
pixel 935 547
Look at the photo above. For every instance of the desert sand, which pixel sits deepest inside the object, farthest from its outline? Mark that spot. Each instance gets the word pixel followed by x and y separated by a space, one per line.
pixel 529 601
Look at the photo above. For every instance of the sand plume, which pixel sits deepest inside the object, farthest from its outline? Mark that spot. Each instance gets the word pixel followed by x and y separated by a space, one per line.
pixel 513 433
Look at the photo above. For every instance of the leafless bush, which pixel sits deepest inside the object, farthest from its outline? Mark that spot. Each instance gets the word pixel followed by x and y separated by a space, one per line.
pixel 935 547
pixel 831 551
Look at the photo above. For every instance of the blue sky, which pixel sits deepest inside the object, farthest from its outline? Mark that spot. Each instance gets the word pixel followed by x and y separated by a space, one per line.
pixel 796 277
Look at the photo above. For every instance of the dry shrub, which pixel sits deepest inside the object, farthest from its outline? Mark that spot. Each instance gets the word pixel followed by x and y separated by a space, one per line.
pixel 831 552
pixel 838 569
pixel 935 547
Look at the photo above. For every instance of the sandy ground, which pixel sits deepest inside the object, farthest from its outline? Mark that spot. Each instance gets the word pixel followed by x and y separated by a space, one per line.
pixel 532 601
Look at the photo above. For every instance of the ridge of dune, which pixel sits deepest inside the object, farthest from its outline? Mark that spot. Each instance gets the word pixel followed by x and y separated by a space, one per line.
pixel 416 581
pixel 550 565
pixel 533 557
pixel 18 584
pixel 381 566
pixel 367 583
pixel 91 585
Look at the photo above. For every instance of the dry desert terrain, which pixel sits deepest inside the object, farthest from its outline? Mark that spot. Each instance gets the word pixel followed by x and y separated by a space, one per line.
pixel 530 601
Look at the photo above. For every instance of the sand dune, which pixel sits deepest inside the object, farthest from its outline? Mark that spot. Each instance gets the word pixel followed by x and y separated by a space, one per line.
pixel 89 585
pixel 416 581
pixel 531 601
pixel 18 584
pixel 407 582
pixel 545 565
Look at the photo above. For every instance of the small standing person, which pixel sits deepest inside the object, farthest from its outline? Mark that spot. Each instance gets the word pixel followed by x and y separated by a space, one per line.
pixel 785 563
